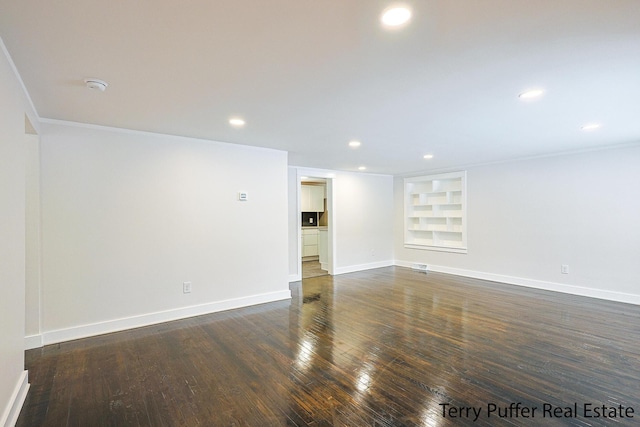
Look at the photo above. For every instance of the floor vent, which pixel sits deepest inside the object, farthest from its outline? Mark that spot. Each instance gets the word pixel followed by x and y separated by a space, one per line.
pixel 420 267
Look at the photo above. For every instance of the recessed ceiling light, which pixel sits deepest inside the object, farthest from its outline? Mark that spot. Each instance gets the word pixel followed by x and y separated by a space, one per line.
pixel 428 156
pixel 96 84
pixel 531 94
pixel 354 144
pixel 236 122
pixel 362 168
pixel 591 126
pixel 395 16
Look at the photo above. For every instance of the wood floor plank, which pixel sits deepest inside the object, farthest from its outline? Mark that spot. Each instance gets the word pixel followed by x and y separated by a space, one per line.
pixel 384 347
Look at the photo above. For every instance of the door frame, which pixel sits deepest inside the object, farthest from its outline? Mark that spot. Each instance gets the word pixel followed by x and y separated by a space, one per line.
pixel 329 177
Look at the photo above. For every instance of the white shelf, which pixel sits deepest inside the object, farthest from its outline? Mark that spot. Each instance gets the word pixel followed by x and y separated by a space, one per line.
pixel 435 212
pixel 437 216
pixel 437 204
pixel 435 193
pixel 443 229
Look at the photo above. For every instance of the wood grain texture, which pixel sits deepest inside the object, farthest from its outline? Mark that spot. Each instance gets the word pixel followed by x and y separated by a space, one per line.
pixel 383 347
pixel 311 268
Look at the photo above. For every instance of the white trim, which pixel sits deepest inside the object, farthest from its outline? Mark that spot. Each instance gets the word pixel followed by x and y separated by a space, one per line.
pixel 24 88
pixel 126 131
pixel 532 283
pixel 83 331
pixel 33 341
pixel 361 267
pixel 332 173
pixel 12 410
pixel 332 237
pixel 295 278
pixel 472 165
pixel 436 248
pixel 329 177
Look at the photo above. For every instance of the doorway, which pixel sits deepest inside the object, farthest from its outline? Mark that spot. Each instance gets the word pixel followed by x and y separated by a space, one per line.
pixel 316 225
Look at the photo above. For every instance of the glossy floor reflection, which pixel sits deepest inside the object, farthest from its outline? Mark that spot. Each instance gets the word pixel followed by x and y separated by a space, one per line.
pixel 385 347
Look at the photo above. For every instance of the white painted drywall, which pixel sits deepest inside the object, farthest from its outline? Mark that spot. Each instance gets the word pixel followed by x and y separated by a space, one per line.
pixel 363 219
pixel 127 217
pixel 294 224
pixel 14 105
pixel 527 218
pixel 32 223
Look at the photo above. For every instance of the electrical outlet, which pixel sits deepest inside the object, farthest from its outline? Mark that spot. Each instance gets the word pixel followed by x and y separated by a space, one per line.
pixel 564 269
pixel 186 288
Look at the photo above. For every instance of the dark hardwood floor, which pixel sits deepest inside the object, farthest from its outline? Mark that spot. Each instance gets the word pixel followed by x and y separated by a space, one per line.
pixel 385 347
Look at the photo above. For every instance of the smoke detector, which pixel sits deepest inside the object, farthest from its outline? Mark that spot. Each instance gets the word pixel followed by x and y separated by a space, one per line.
pixel 96 84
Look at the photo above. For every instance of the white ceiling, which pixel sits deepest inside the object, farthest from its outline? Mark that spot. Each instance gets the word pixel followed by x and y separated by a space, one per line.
pixel 308 76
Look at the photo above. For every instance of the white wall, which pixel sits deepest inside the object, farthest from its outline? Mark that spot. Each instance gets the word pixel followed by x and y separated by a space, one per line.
pixel 127 217
pixel 293 225
pixel 362 219
pixel 528 217
pixel 13 107
pixel 32 224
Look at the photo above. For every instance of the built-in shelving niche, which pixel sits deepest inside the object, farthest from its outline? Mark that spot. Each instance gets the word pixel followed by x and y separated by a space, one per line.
pixel 436 212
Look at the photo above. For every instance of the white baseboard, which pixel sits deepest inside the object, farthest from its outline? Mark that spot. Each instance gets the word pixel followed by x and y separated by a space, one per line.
pixel 532 283
pixel 361 267
pixel 295 278
pixel 33 341
pixel 83 331
pixel 12 411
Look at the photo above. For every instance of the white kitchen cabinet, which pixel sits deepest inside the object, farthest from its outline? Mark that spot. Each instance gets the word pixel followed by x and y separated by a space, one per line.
pixel 309 242
pixel 312 198
pixel 436 212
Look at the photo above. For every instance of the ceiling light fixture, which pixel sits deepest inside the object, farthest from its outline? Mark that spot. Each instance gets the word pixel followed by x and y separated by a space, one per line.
pixel 236 122
pixel 354 144
pixel 395 17
pixel 96 84
pixel 531 94
pixel 362 168
pixel 428 156
pixel 591 126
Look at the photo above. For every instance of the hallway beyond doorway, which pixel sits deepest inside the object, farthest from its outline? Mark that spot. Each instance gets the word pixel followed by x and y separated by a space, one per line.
pixel 311 268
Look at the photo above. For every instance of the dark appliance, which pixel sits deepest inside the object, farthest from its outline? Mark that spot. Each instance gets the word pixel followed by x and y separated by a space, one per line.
pixel 309 219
